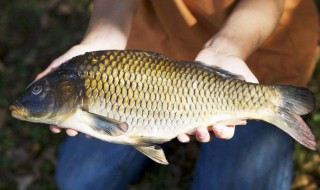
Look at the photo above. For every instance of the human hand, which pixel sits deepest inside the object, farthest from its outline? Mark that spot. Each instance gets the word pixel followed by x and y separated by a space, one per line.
pixel 108 28
pixel 72 52
pixel 234 65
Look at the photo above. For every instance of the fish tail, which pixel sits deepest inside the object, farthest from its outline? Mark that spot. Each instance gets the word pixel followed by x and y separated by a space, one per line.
pixel 294 101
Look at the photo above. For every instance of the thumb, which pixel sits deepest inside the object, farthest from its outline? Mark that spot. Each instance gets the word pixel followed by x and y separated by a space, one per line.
pixel 239 67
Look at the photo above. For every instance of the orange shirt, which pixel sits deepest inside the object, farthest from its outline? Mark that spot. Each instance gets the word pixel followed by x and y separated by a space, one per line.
pixel 180 28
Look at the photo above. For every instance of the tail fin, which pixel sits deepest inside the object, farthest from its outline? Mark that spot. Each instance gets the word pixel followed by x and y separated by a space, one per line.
pixel 295 101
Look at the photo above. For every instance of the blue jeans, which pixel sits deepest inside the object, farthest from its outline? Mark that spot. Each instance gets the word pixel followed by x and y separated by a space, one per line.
pixel 258 157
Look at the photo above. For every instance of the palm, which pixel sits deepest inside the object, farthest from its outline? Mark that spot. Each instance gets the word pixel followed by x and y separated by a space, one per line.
pixel 231 64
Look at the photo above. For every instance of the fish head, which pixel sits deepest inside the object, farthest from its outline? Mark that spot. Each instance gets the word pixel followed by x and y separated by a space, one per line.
pixel 49 100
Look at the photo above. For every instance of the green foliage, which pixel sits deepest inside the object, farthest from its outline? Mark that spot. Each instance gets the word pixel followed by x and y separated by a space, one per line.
pixel 32 34
pixel 35 32
pixel 307 163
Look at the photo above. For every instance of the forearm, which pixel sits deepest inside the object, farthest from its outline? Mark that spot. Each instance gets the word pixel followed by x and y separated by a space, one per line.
pixel 248 26
pixel 110 23
pixel 250 23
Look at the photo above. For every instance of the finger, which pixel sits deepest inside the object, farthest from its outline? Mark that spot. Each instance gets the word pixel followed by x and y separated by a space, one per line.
pixel 53 66
pixel 55 129
pixel 249 76
pixel 202 134
pixel 241 69
pixel 88 136
pixel 39 76
pixel 242 122
pixel 184 138
pixel 223 131
pixel 71 132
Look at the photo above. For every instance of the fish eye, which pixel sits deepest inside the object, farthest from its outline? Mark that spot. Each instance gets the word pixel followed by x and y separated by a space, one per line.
pixel 36 90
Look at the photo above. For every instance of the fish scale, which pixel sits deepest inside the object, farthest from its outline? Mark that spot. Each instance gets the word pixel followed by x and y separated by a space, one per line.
pixel 183 88
pixel 143 99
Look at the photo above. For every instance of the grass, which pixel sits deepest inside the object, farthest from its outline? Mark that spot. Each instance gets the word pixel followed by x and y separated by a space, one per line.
pixel 32 34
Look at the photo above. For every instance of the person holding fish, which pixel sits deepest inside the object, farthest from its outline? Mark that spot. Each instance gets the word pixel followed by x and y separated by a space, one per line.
pixel 270 41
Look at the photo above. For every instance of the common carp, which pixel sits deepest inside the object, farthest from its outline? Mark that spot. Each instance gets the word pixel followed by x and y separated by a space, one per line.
pixel 144 99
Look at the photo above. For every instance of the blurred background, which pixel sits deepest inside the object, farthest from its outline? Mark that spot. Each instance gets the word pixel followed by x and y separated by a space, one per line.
pixel 35 32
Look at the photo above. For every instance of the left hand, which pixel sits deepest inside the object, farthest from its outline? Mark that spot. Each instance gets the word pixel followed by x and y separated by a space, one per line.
pixel 234 65
pixel 72 52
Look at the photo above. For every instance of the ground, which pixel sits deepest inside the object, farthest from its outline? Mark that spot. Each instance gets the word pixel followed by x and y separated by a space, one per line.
pixel 33 33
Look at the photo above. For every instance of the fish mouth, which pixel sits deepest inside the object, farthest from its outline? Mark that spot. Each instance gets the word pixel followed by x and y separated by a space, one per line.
pixel 18 111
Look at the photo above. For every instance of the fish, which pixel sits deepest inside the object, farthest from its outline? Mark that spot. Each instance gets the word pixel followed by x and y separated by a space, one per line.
pixel 144 99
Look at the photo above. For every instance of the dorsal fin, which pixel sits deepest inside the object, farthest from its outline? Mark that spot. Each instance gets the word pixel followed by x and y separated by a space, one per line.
pixel 219 70
pixel 155 54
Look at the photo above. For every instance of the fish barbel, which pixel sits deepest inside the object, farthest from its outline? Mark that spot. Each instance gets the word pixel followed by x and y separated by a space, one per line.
pixel 144 99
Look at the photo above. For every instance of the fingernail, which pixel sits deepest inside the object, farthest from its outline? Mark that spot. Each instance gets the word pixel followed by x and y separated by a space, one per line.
pixel 184 139
pixel 218 130
pixel 202 135
pixel 88 136
pixel 55 129
pixel 71 133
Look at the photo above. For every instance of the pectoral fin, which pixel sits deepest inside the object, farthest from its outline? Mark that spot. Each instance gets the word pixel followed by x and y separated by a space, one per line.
pixel 104 125
pixel 155 152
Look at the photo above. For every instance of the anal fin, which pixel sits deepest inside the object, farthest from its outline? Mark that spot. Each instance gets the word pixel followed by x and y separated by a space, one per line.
pixel 235 121
pixel 155 152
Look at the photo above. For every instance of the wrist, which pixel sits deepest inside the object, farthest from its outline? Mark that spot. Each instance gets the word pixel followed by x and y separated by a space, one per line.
pixel 105 40
pixel 110 24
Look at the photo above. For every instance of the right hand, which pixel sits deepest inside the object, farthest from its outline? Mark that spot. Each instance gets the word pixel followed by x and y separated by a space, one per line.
pixel 229 63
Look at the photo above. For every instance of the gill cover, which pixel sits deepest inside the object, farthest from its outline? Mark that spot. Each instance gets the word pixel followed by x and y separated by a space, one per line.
pixel 64 86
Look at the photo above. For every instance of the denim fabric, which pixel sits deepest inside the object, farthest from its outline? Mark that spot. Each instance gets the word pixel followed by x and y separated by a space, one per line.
pixel 91 164
pixel 258 157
